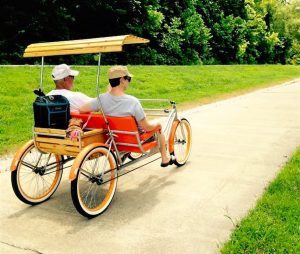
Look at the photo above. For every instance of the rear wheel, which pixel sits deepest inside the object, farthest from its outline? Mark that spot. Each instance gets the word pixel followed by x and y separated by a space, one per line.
pixel 37 175
pixel 180 141
pixel 95 185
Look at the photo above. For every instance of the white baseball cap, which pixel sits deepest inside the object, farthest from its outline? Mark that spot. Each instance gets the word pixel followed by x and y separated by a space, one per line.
pixel 62 71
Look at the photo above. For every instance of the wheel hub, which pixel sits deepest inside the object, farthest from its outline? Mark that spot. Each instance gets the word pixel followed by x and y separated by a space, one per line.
pixel 97 180
pixel 40 170
pixel 181 141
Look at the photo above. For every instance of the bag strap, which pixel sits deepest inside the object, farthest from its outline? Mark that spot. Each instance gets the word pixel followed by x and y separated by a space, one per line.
pixel 85 124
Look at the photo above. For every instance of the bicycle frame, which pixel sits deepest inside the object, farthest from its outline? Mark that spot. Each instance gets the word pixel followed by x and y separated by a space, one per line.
pixel 111 143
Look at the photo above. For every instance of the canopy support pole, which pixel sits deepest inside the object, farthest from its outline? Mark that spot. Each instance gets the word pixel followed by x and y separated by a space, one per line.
pixel 101 109
pixel 98 74
pixel 42 72
pixel 97 89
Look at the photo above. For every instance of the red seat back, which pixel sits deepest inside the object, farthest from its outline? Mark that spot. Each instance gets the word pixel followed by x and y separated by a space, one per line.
pixel 126 123
pixel 96 121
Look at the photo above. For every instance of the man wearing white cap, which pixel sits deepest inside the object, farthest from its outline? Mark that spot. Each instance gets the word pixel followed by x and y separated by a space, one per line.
pixel 63 78
pixel 117 103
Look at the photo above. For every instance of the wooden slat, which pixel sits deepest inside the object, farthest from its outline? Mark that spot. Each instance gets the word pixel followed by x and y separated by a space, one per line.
pixel 78 46
pixel 83 41
pixel 92 132
pixel 132 40
pixel 58 146
pixel 57 141
pixel 96 45
pixel 92 139
pixel 50 131
pixel 63 132
pixel 74 51
pixel 56 150
pixel 66 146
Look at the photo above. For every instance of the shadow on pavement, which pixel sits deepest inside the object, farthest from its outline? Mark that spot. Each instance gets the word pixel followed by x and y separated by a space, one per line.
pixel 128 204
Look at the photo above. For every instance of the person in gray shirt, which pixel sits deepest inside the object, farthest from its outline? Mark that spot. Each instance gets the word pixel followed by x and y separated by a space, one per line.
pixel 117 103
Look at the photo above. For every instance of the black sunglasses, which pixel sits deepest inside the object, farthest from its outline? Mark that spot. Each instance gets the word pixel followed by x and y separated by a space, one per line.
pixel 127 78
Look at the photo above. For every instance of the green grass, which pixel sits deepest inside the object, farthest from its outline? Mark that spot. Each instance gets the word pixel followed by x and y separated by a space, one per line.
pixel 184 84
pixel 274 225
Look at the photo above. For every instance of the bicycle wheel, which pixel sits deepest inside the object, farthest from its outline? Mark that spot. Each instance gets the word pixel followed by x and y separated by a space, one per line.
pixel 37 175
pixel 180 141
pixel 95 184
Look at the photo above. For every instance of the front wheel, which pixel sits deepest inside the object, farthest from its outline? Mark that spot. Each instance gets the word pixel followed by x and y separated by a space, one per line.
pixel 95 184
pixel 36 176
pixel 180 141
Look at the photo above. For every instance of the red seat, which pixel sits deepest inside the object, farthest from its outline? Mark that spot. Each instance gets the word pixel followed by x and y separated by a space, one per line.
pixel 96 121
pixel 125 141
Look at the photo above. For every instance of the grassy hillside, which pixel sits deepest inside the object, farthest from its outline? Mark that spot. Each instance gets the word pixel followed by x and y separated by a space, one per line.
pixel 184 84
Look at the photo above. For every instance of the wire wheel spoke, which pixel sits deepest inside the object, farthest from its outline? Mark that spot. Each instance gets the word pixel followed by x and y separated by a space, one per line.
pixel 95 185
pixel 33 182
pixel 182 142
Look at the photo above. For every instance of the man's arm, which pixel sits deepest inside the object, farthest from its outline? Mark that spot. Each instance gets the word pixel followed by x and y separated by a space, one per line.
pixel 87 107
pixel 148 126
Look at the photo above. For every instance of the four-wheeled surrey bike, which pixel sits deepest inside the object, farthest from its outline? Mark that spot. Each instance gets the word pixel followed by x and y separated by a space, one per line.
pixel 106 146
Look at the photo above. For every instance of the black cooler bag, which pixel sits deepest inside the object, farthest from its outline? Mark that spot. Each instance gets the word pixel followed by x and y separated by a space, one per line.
pixel 51 111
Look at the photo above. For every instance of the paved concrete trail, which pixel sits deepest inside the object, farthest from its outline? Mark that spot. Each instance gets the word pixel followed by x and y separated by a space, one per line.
pixel 239 145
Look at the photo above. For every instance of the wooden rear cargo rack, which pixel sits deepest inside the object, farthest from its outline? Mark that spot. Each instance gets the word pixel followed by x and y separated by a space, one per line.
pixel 55 140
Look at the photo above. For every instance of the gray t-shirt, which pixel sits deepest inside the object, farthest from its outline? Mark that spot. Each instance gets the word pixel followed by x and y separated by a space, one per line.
pixel 125 105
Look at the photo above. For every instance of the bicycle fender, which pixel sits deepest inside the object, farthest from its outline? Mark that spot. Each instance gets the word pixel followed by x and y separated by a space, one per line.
pixel 18 155
pixel 80 157
pixel 171 137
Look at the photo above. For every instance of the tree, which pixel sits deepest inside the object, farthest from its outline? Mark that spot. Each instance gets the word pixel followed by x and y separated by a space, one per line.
pixel 19 26
pixel 180 31
pixel 286 22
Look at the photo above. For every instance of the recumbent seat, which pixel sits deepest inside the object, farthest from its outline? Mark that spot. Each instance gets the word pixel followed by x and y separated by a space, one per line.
pixel 126 142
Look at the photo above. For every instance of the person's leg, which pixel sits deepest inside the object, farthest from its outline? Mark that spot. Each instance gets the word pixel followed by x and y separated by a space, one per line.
pixel 162 148
pixel 165 158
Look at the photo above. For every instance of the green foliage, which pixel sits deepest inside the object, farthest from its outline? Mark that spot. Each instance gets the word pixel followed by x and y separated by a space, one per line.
pixel 155 19
pixel 255 31
pixel 284 20
pixel 228 37
pixel 172 38
pixel 20 25
pixel 196 37
pixel 180 31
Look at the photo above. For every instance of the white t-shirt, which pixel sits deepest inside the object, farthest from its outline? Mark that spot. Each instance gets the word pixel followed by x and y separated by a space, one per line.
pixel 76 99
